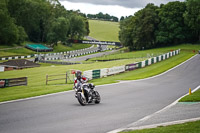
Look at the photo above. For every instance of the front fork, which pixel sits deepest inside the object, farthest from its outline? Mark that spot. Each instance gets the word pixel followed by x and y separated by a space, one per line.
pixel 82 94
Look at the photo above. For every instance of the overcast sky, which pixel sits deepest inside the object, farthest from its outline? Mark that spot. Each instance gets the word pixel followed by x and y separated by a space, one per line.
pixel 117 8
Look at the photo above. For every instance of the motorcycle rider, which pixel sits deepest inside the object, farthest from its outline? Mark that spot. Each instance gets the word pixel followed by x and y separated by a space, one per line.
pixel 81 79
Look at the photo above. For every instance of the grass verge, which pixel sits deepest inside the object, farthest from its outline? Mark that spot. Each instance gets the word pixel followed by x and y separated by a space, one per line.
pixel 189 127
pixel 194 97
pixel 145 53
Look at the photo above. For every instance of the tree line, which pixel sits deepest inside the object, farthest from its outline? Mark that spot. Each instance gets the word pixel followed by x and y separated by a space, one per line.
pixel 168 24
pixel 39 21
pixel 102 16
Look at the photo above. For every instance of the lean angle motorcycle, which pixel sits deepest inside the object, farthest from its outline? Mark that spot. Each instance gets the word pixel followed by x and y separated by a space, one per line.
pixel 86 93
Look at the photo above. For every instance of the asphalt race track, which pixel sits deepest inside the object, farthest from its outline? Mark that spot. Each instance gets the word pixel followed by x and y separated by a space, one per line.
pixel 84 58
pixel 122 104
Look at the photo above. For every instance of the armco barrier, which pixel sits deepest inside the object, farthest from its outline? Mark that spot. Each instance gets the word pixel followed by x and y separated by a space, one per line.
pixel 139 64
pixel 143 63
pixel 155 60
pixel 163 57
pixel 104 72
pixel 88 74
pixel 96 74
pixel 115 70
pixel 149 62
pixel 146 62
pixel 131 67
pixel 91 74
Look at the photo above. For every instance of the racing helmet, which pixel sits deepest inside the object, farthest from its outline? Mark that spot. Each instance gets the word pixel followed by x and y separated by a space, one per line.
pixel 91 85
pixel 78 74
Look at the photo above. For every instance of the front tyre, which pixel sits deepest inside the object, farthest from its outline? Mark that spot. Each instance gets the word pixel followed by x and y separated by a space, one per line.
pixel 98 97
pixel 81 100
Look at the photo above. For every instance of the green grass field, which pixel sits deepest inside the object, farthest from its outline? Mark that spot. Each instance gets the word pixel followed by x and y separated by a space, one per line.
pixel 189 127
pixel 37 76
pixel 144 53
pixel 61 48
pixel 104 30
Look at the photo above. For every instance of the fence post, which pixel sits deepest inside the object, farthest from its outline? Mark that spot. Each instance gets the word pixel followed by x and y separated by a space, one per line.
pixel 26 81
pixel 46 79
pixel 66 77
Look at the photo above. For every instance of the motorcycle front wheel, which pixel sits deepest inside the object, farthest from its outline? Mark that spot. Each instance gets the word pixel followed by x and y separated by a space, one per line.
pixel 81 100
pixel 98 97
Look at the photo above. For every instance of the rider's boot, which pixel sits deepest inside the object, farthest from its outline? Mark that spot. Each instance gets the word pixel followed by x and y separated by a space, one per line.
pixel 89 99
pixel 76 94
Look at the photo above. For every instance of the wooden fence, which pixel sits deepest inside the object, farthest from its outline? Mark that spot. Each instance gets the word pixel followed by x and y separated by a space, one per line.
pixel 56 77
pixel 13 82
pixel 17 81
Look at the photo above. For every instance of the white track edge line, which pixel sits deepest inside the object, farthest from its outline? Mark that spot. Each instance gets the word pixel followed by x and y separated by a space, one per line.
pixel 151 115
pixel 36 97
pixel 164 124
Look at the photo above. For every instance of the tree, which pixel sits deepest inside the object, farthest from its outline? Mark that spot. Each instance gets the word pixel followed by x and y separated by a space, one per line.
pixel 26 14
pixel 8 29
pixel 192 17
pixel 22 35
pixel 102 16
pixel 59 31
pixel 77 27
pixel 115 19
pixel 59 10
pixel 171 29
pixel 40 21
pixel 36 16
pixel 87 27
pixel 146 21
pixel 122 18
pixel 138 32
pixel 126 30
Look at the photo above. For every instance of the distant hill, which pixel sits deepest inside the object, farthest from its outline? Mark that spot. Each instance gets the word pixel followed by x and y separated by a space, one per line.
pixel 104 30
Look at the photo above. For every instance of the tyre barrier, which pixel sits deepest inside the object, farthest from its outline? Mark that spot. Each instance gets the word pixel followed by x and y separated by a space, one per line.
pixel 16 57
pixel 49 54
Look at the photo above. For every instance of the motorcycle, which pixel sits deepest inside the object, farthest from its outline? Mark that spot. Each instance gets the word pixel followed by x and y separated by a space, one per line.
pixel 86 93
